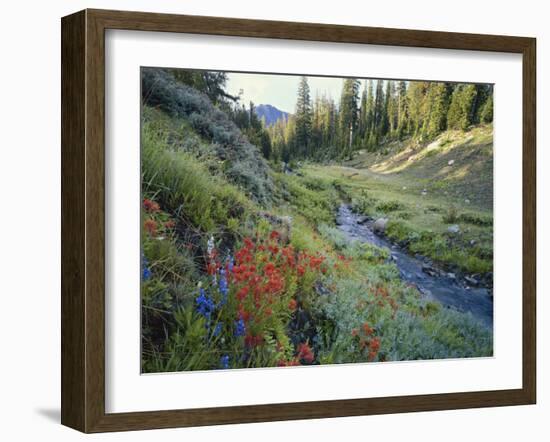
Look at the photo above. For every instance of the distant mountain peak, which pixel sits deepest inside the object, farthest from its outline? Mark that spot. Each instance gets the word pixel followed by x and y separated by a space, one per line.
pixel 270 113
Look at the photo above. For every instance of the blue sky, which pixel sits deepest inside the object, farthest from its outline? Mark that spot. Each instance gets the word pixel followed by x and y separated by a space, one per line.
pixel 279 90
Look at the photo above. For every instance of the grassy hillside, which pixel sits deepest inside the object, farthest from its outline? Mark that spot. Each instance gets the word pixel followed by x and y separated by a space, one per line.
pixel 457 166
pixel 212 133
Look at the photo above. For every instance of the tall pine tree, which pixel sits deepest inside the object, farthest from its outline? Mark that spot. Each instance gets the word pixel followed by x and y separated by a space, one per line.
pixel 462 108
pixel 402 109
pixel 349 114
pixel 363 115
pixel 391 108
pixel 303 119
pixel 379 114
pixel 437 105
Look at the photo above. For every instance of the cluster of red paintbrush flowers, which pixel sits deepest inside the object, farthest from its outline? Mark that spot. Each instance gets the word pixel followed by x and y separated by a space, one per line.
pixel 266 279
pixel 156 221
pixel 365 336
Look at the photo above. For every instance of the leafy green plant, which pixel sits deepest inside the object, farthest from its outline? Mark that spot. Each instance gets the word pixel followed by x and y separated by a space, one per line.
pixel 475 219
pixel 390 206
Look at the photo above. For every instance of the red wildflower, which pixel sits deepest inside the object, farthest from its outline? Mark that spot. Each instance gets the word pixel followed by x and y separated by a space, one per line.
pixel 211 268
pixel 290 363
pixel 292 304
pixel 275 283
pixel 269 268
pixel 367 329
pixel 240 268
pixel 150 226
pixel 274 235
pixel 170 224
pixel 288 250
pixel 248 243
pixel 213 254
pixel 150 206
pixel 253 340
pixel 305 353
pixel 374 345
pixel 300 270
pixel 243 314
pixel 273 249
pixel 241 294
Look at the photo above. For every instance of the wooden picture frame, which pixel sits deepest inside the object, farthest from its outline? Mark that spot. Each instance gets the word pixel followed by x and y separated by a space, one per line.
pixel 83 219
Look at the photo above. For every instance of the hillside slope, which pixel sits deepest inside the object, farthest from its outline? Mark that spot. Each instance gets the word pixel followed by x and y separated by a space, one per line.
pixel 242 162
pixel 456 165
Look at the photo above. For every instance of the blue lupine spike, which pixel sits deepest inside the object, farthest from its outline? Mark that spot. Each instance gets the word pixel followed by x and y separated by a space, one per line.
pixel 146 274
pixel 145 271
pixel 240 328
pixel 224 362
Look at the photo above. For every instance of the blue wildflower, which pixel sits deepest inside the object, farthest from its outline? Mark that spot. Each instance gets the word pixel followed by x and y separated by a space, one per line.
pixel 240 328
pixel 205 306
pixel 223 287
pixel 224 362
pixel 145 274
pixel 145 271
pixel 218 329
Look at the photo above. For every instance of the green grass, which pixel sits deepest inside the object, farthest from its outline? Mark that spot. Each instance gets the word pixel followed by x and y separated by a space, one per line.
pixel 186 187
pixel 316 199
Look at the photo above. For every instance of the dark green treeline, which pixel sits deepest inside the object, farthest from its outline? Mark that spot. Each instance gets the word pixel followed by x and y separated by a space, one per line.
pixel 381 111
pixel 368 114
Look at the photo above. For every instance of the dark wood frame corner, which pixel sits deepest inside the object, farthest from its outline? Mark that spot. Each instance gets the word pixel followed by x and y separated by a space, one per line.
pixel 83 216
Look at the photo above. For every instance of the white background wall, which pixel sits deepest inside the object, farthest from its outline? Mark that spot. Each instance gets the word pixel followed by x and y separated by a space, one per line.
pixel 30 217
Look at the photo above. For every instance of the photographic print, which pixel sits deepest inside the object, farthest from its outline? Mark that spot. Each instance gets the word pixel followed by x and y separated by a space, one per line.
pixel 294 220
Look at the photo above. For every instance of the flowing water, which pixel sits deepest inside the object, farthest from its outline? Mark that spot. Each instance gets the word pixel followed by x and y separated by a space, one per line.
pixel 440 287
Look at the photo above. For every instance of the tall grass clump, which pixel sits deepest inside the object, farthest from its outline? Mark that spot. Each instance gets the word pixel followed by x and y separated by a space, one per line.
pixel 451 216
pixel 364 204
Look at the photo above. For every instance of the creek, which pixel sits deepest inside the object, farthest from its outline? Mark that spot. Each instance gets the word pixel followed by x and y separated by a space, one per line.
pixel 434 284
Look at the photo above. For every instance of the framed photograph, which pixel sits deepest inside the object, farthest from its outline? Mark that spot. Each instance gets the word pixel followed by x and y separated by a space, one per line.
pixel 267 221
